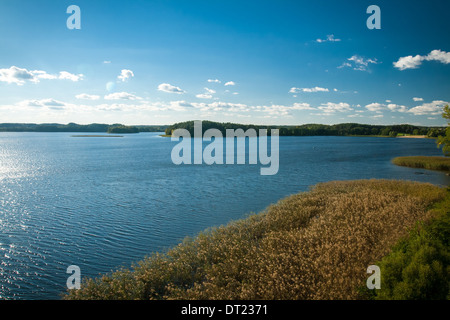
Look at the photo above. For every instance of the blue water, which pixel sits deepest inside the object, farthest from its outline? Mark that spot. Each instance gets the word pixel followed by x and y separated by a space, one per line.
pixel 102 203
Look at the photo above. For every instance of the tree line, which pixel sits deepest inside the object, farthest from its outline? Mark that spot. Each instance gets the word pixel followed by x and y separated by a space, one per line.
pixel 343 129
pixel 73 127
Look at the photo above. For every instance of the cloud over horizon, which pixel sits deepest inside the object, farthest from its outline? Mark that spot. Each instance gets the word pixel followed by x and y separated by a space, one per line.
pixel 121 96
pixel 432 108
pixel 85 96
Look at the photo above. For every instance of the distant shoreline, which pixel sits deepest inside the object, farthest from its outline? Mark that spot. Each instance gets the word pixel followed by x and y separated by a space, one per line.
pixel 96 136
pixel 342 129
pixel 413 137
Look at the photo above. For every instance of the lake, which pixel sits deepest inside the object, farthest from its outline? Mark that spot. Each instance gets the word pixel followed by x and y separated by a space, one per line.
pixel 101 203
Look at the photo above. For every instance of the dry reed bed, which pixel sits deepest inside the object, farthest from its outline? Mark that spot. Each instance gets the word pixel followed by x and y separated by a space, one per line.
pixel 313 245
pixel 423 162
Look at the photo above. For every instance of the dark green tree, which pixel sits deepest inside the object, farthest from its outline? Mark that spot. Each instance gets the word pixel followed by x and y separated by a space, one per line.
pixel 393 134
pixel 444 141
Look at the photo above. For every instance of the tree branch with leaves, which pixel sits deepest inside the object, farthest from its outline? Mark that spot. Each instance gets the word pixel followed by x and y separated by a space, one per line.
pixel 444 141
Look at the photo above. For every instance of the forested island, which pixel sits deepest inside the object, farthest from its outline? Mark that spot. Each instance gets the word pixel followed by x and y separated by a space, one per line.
pixel 343 129
pixel 122 129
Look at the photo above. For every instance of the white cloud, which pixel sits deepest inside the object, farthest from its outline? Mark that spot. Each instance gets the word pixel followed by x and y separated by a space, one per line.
pixel 207 95
pixel 378 107
pixel 146 106
pixel 280 110
pixel 315 89
pixel 410 62
pixel 302 106
pixel 374 107
pixel 115 107
pixel 165 87
pixel 330 38
pixel 397 108
pixel 358 63
pixel 19 76
pixel 277 110
pixel 433 108
pixel 210 91
pixel 69 76
pixel 39 74
pixel 179 105
pixel 231 107
pixel 331 107
pixel 48 103
pixel 214 80
pixel 230 83
pixel 106 62
pixel 218 106
pixel 204 96
pixel 439 55
pixel 417 99
pixel 125 75
pixel 16 75
pixel 121 96
pixel 52 103
pixel 361 61
pixel 85 96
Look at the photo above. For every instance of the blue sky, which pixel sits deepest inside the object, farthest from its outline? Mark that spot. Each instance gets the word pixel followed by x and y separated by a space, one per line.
pixel 263 62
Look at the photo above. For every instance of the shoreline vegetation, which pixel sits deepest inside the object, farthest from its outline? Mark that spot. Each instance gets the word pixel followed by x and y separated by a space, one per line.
pixel 424 162
pixel 344 129
pixel 312 245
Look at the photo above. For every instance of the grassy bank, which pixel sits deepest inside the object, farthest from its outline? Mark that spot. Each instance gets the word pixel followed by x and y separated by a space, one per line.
pixel 422 162
pixel 313 245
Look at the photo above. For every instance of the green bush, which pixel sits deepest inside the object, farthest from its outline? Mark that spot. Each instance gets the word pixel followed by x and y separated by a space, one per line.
pixel 418 267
